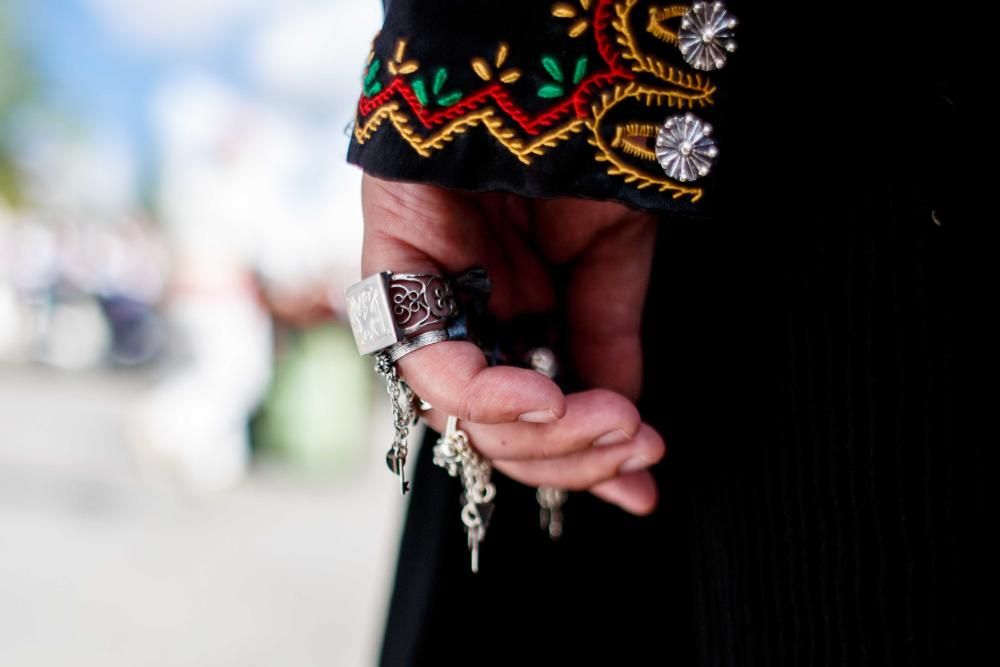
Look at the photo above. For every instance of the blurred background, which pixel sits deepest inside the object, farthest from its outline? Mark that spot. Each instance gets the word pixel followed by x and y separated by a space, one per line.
pixel 191 451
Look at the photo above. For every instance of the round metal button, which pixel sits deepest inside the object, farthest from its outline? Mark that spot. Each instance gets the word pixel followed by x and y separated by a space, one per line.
pixel 685 148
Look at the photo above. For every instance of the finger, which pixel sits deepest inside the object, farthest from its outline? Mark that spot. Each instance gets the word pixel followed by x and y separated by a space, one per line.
pixel 568 225
pixel 454 378
pixel 451 375
pixel 584 469
pixel 634 492
pixel 428 228
pixel 593 418
pixel 607 292
pixel 440 227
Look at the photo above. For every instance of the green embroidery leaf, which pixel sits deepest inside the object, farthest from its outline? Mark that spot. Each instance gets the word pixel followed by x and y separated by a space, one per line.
pixel 418 87
pixel 551 66
pixel 550 90
pixel 376 87
pixel 439 78
pixel 450 98
pixel 372 72
pixel 581 69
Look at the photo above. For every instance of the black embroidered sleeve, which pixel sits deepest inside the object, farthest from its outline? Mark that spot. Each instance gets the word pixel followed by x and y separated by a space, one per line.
pixel 601 99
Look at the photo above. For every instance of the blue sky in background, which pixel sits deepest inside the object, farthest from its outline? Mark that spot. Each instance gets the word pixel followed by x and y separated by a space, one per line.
pixel 100 76
pixel 97 78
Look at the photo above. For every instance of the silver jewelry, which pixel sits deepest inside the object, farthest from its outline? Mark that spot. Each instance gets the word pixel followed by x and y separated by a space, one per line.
pixel 404 415
pixel 390 314
pixel 685 148
pixel 455 454
pixel 401 349
pixel 550 513
pixel 388 308
pixel 706 35
pixel 421 300
pixel 550 499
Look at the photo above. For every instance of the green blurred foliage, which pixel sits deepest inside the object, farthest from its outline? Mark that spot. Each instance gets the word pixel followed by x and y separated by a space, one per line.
pixel 16 88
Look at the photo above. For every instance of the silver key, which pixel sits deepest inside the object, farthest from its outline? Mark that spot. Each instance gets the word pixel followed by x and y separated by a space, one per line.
pixel 550 516
pixel 454 453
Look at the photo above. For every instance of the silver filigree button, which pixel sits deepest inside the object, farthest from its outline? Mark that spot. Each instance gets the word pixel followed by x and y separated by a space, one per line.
pixel 706 35
pixel 684 147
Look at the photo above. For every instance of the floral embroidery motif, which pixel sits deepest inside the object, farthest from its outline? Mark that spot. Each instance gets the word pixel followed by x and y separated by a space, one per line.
pixel 601 100
pixel 484 72
pixel 554 69
pixel 399 66
pixel 566 10
pixel 437 94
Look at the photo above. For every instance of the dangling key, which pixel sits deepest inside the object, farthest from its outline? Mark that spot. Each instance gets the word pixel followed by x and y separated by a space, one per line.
pixel 474 539
pixel 404 414
pixel 550 499
pixel 398 467
pixel 550 516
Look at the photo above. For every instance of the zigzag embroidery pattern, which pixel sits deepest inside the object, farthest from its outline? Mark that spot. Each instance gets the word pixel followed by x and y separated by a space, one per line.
pixel 403 102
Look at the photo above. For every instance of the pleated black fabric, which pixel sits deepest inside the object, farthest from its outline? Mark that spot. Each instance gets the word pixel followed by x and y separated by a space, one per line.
pixel 817 506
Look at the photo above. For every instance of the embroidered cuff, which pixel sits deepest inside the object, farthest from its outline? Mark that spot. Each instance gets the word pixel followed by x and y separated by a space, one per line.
pixel 601 99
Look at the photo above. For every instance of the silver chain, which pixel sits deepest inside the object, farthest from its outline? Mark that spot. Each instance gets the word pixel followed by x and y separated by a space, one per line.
pixel 550 499
pixel 454 453
pixel 404 415
pixel 550 514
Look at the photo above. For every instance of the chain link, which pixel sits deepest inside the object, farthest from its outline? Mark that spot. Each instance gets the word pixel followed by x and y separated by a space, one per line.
pixel 404 415
pixel 454 453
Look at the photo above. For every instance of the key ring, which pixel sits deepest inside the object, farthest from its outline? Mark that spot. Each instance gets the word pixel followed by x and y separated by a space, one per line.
pixel 455 454
pixel 394 314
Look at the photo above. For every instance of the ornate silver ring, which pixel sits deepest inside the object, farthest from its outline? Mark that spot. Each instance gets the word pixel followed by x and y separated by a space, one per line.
pixel 389 309
pixel 401 349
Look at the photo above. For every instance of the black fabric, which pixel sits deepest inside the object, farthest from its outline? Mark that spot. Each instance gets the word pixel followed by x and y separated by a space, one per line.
pixel 447 34
pixel 818 506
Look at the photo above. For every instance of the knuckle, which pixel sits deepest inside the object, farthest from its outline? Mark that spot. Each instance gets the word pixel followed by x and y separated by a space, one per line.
pixel 546 447
pixel 619 410
pixel 468 405
pixel 630 418
pixel 478 402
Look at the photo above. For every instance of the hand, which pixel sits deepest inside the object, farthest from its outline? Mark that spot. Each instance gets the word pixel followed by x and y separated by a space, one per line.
pixel 517 417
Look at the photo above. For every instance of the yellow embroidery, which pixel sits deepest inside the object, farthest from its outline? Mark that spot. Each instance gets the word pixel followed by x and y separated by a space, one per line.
pixel 617 166
pixel 656 25
pixel 371 48
pixel 482 68
pixel 628 76
pixel 632 139
pixel 484 72
pixel 487 116
pixel 397 65
pixel 502 49
pixel 700 88
pixel 365 131
pixel 538 146
pixel 565 10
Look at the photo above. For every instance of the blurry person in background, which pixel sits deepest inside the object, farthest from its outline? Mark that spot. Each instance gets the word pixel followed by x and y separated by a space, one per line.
pixel 196 420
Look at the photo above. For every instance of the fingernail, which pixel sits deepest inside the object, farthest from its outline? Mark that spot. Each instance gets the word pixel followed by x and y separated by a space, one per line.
pixel 615 437
pixel 538 417
pixel 635 463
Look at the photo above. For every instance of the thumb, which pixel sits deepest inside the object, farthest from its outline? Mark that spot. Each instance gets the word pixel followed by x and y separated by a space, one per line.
pixel 424 229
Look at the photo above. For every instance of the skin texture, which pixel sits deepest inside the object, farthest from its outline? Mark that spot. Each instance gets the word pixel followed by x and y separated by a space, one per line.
pixel 518 418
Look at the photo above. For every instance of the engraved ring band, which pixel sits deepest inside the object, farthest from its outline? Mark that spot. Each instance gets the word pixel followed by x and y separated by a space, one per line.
pixel 402 312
